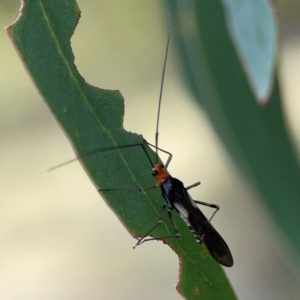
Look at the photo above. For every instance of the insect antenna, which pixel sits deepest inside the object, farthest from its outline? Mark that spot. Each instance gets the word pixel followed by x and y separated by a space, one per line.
pixel 144 141
pixel 161 88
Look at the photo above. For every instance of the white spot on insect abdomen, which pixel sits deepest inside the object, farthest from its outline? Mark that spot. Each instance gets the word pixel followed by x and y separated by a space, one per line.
pixel 183 212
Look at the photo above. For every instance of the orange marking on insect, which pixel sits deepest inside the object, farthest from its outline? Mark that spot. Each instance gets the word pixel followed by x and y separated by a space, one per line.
pixel 161 175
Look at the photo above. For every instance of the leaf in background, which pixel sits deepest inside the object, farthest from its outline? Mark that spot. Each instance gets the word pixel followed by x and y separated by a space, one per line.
pixel 252 28
pixel 255 136
pixel 92 118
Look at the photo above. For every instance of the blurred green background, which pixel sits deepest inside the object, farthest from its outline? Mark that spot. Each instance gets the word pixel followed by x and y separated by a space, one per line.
pixel 58 238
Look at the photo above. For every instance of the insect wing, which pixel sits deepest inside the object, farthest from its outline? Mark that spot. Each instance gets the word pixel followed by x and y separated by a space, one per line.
pixel 211 238
pixel 200 226
pixel 216 245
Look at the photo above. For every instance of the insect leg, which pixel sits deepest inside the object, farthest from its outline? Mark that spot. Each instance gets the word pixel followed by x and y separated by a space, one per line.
pixel 142 239
pixel 217 207
pixel 147 154
pixel 177 233
pixel 103 150
pixel 204 203
pixel 120 147
pixel 132 190
pixel 169 153
pixel 193 185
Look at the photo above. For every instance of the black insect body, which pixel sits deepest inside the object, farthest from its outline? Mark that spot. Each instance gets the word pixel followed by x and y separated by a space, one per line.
pixel 204 232
pixel 177 198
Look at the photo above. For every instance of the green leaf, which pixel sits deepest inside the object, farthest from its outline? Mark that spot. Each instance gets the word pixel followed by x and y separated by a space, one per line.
pixel 252 28
pixel 255 136
pixel 92 118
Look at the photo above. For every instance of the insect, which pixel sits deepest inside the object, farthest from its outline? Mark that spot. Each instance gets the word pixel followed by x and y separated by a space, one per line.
pixel 177 198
